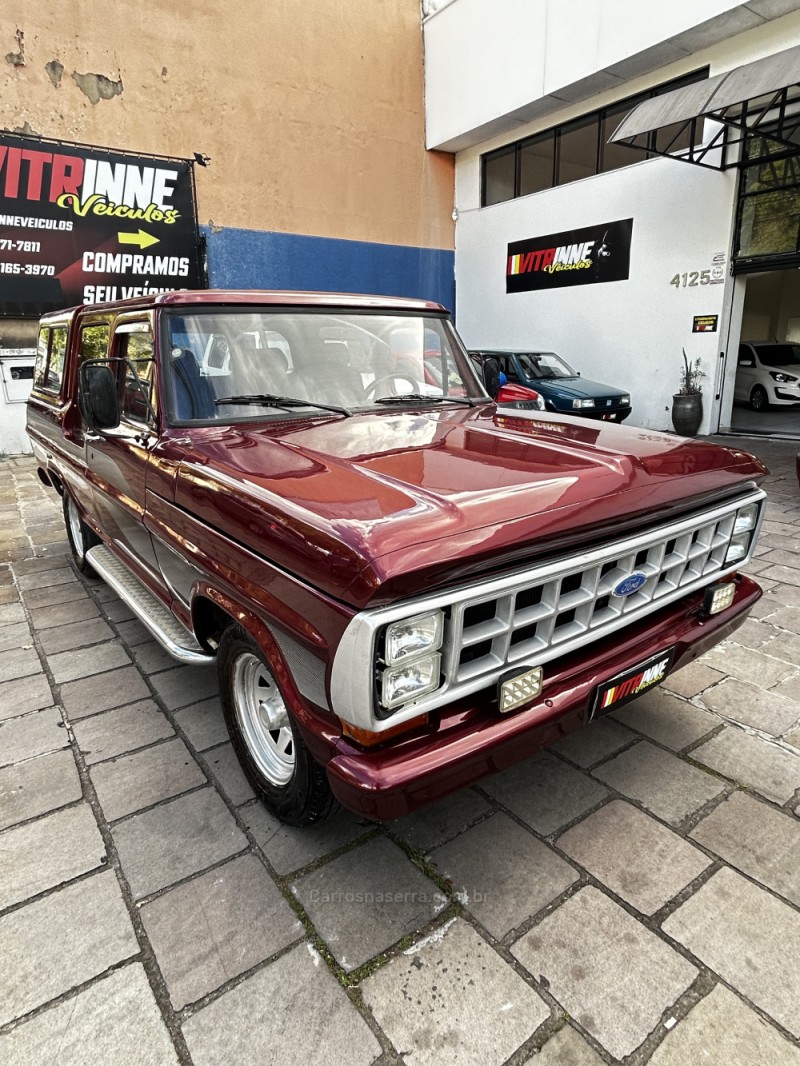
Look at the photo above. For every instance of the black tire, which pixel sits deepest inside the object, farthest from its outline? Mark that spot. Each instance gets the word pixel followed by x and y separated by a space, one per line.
pixel 79 536
pixel 759 400
pixel 275 761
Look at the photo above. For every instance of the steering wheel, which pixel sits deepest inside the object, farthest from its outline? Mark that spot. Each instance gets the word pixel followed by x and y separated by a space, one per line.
pixel 390 380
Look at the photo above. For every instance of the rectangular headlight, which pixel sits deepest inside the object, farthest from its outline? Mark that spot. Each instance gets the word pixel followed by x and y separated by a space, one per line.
pixel 413 636
pixel 746 519
pixel 625 401
pixel 583 403
pixel 738 548
pixel 405 683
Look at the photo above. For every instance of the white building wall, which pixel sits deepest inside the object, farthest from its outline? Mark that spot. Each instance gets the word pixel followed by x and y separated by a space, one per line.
pixel 631 333
pixel 624 333
pixel 500 63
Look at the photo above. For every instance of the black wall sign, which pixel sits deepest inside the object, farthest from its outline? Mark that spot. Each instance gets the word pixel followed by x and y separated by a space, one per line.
pixel 705 323
pixel 85 225
pixel 574 257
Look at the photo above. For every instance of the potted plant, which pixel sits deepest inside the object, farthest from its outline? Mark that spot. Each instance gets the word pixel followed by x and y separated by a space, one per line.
pixel 687 402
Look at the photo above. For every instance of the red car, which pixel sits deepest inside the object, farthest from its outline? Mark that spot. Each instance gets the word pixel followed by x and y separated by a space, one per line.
pixel 404 586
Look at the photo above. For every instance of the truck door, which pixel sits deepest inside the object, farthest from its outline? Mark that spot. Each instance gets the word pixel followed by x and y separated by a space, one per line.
pixel 117 459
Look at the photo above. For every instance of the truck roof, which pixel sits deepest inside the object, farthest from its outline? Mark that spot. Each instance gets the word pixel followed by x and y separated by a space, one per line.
pixel 264 297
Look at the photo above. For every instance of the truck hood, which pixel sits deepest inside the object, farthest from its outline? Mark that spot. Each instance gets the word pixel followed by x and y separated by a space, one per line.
pixel 377 506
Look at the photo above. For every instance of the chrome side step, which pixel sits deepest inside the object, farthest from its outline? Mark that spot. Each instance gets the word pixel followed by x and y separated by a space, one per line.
pixel 164 626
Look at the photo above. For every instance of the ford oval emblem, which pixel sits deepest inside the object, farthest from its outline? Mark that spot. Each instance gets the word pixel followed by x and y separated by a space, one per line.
pixel 630 584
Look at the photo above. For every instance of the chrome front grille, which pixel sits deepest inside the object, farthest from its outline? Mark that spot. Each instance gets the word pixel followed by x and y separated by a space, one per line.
pixel 535 620
pixel 540 613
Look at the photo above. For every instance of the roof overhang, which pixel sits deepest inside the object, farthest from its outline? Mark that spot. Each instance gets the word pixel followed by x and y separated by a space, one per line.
pixel 762 97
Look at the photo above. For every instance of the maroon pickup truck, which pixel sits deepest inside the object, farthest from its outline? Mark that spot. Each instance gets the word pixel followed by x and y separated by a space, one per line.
pixel 405 586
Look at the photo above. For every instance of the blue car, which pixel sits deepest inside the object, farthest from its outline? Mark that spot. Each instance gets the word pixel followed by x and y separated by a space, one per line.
pixel 563 389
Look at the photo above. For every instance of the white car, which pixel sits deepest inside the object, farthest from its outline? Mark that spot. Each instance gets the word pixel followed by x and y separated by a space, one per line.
pixel 767 373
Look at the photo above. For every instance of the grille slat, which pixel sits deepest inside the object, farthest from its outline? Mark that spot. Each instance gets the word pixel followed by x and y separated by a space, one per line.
pixel 544 612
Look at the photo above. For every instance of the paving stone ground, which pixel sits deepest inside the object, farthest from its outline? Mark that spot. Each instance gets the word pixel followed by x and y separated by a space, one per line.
pixel 630 896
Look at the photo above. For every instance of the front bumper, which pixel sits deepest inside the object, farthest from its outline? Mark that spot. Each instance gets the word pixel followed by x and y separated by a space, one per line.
pixel 471 739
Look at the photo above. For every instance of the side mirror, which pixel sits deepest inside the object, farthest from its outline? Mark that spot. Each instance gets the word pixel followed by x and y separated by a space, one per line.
pixel 99 399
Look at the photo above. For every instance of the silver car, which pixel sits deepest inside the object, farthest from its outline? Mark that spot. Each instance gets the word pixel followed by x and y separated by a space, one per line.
pixel 767 374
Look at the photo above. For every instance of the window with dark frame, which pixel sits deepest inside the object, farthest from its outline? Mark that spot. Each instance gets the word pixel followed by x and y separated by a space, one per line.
pixel 573 150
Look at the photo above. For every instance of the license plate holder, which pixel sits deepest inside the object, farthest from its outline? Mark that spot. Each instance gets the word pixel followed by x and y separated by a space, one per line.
pixel 633 682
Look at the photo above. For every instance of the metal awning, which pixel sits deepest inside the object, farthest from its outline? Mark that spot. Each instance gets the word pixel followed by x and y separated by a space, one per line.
pixel 762 97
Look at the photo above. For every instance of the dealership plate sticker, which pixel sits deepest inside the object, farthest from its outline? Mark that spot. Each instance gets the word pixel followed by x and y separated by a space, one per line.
pixel 632 683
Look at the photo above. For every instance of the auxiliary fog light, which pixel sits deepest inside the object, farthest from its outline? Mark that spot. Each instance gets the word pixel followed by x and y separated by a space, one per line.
pixel 413 636
pixel 519 688
pixel 404 683
pixel 718 597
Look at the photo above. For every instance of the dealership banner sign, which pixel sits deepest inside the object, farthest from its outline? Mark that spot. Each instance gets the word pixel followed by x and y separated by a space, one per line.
pixel 574 257
pixel 85 225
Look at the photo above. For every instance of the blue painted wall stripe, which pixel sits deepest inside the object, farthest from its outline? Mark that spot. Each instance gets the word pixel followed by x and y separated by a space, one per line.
pixel 254 259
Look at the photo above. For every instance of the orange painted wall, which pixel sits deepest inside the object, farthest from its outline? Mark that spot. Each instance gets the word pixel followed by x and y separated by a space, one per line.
pixel 311 112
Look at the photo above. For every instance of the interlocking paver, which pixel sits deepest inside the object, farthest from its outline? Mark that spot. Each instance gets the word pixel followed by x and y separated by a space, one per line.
pixel 617 996
pixel 45 853
pixel 288 849
pixel 32 734
pixel 103 691
pixel 227 772
pixel 637 857
pixel 759 841
pixel 61 614
pixel 662 783
pixel 737 1035
pixel 747 665
pixel 151 657
pixel 666 719
pixel 176 839
pixel 545 792
pixel 18 663
pixel 203 723
pixel 766 768
pixel 750 938
pixel 15 636
pixel 216 926
pixel 501 873
pixel 565 1048
pixel 692 679
pixel 37 786
pixel 432 825
pixel 597 741
pixel 368 898
pixel 452 1001
pixel 85 662
pixel 54 595
pixel 114 1021
pixel 60 941
pixel 752 706
pixel 131 782
pixel 26 694
pixel 74 635
pixel 122 730
pixel 292 1012
pixel 184 685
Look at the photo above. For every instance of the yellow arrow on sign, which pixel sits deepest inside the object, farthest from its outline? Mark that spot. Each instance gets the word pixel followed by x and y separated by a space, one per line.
pixel 144 240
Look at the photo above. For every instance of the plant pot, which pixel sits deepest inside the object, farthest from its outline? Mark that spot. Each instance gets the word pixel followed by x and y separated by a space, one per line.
pixel 687 413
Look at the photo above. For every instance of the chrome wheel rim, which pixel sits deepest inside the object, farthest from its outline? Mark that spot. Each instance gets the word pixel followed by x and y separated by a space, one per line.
pixel 75 530
pixel 263 719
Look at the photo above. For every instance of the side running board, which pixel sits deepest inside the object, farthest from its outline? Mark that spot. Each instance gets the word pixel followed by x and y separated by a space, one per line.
pixel 164 626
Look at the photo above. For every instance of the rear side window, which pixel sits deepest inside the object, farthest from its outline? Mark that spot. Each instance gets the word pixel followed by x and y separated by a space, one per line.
pixel 51 349
pixel 94 342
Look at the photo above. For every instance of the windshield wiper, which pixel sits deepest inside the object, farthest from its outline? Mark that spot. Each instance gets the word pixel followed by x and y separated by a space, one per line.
pixel 422 397
pixel 265 399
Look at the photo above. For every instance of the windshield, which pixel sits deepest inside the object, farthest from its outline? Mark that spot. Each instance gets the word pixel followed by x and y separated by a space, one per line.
pixel 238 364
pixel 780 355
pixel 544 365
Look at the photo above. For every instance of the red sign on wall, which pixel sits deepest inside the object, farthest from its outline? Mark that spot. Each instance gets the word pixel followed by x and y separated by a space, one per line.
pixel 86 225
